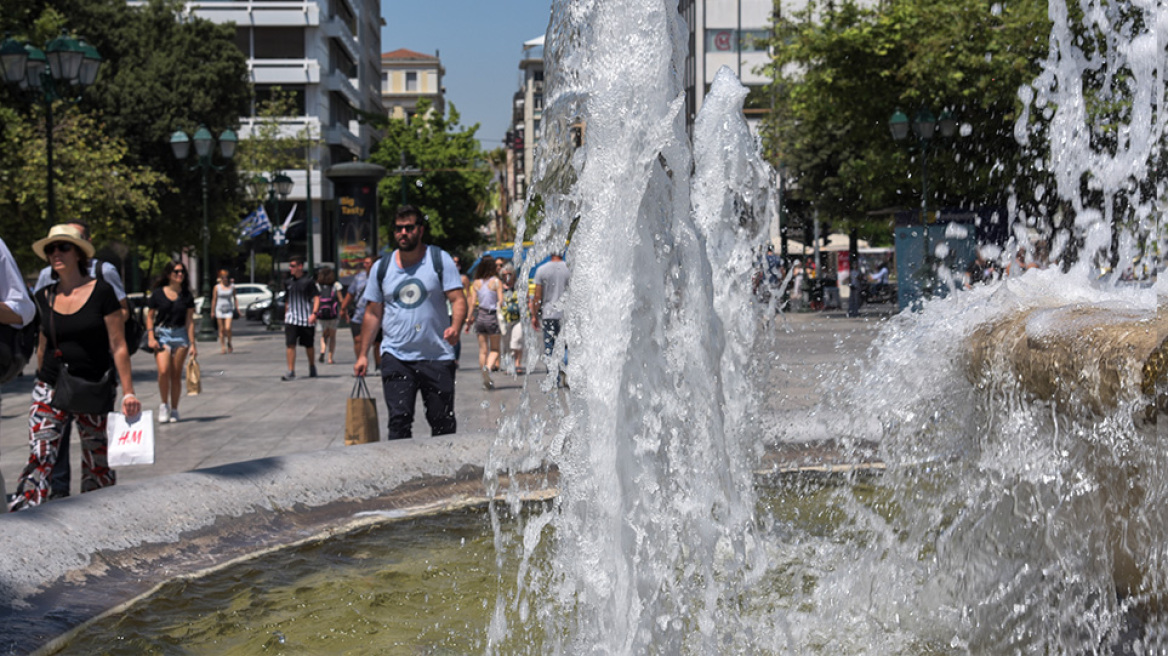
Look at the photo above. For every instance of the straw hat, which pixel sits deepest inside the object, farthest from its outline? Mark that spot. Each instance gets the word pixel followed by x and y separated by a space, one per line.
pixel 63 232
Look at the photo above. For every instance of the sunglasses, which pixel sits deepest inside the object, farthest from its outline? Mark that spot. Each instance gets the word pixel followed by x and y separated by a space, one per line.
pixel 62 246
pixel 410 227
pixel 181 272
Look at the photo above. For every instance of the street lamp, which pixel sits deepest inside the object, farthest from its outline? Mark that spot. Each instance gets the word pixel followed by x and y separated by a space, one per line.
pixel 180 144
pixel 47 79
pixel 924 127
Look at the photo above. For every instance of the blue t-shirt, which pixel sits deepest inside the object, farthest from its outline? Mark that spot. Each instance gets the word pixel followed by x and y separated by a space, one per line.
pixel 414 316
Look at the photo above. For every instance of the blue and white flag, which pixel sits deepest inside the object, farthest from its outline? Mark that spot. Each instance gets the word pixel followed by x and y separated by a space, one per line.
pixel 254 224
pixel 278 234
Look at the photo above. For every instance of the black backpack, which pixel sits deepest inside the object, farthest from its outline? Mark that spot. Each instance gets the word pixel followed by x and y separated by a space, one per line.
pixel 134 329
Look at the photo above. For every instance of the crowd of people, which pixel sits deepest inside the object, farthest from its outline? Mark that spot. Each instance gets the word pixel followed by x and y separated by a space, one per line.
pixel 408 309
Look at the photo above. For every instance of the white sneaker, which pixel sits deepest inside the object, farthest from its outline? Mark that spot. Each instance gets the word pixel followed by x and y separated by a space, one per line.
pixel 163 413
pixel 173 416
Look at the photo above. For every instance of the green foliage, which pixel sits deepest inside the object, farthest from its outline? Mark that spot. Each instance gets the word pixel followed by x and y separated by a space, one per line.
pixel 270 148
pixel 453 184
pixel 844 70
pixel 163 70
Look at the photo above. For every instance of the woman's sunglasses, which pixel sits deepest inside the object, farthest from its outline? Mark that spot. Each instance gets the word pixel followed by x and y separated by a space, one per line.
pixel 63 247
pixel 181 272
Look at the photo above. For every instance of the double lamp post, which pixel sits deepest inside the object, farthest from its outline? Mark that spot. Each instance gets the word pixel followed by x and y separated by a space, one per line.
pixel 61 72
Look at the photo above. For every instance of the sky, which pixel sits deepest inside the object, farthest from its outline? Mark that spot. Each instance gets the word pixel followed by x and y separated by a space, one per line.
pixel 480 43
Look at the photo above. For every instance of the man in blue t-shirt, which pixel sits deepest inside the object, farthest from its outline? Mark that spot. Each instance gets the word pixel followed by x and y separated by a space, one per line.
pixel 406 297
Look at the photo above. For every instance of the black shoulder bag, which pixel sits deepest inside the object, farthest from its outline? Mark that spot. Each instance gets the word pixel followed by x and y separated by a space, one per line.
pixel 74 394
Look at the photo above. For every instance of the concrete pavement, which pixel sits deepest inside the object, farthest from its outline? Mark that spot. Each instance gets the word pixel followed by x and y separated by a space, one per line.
pixel 246 412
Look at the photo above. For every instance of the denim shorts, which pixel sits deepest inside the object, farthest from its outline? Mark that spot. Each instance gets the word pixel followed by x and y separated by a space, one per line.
pixel 172 337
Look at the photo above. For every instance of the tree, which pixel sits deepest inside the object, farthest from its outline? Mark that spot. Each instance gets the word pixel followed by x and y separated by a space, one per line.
pixel 844 70
pixel 452 185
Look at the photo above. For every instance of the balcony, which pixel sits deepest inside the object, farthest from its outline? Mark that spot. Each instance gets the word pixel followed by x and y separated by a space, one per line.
pixel 292 13
pixel 290 126
pixel 337 81
pixel 335 28
pixel 284 71
pixel 344 135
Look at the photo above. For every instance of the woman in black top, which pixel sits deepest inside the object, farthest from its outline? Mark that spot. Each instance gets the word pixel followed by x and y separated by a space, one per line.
pixel 171 326
pixel 82 328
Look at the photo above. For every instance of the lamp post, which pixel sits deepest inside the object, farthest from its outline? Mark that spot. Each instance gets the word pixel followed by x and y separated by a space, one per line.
pixel 924 127
pixel 281 185
pixel 48 76
pixel 180 144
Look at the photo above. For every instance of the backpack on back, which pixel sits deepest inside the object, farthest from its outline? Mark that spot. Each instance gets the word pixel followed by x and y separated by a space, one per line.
pixel 329 308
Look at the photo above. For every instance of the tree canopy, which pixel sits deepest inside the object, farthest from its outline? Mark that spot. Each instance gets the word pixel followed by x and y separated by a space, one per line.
pixel 451 179
pixel 844 69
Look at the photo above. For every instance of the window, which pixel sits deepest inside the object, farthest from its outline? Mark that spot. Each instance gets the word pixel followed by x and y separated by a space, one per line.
pixel 243 40
pixel 263 92
pixel 411 81
pixel 279 42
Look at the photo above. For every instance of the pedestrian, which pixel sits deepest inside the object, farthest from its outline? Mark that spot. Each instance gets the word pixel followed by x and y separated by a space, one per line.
pixel 484 304
pixel 406 296
pixel 62 470
pixel 328 310
pixel 510 321
pixel 299 316
pixel 356 299
pixel 16 305
pixel 82 337
pixel 170 324
pixel 547 312
pixel 226 309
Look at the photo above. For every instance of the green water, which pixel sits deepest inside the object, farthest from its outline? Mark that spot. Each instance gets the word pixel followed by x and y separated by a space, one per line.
pixel 423 586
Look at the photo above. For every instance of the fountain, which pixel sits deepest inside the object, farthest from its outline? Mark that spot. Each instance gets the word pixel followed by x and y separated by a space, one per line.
pixel 1022 500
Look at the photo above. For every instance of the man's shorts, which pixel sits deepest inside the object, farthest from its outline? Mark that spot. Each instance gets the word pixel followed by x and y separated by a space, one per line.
pixel 298 335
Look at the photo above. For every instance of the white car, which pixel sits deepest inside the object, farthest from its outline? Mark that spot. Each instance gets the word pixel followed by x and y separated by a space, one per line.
pixel 245 294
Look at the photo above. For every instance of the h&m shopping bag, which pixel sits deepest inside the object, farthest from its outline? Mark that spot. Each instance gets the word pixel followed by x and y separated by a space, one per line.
pixel 361 415
pixel 130 442
pixel 194 377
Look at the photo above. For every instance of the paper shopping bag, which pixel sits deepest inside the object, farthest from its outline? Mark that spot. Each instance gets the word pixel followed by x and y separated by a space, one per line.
pixel 194 379
pixel 361 415
pixel 130 442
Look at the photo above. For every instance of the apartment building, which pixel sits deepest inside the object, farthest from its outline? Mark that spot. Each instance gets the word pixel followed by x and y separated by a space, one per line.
pixel 524 133
pixel 406 78
pixel 327 54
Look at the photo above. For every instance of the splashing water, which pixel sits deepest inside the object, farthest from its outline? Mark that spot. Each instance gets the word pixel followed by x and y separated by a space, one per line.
pixel 654 521
pixel 1008 521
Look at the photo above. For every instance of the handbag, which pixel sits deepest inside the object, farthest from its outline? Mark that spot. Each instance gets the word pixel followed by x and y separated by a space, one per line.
pixel 131 442
pixel 75 394
pixel 361 425
pixel 194 377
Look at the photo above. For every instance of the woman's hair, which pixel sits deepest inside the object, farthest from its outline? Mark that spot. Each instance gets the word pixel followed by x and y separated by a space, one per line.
pixel 326 276
pixel 486 268
pixel 164 279
pixel 224 275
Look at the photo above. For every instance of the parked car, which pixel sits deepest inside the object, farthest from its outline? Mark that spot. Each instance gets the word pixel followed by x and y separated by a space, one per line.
pixel 261 310
pixel 245 293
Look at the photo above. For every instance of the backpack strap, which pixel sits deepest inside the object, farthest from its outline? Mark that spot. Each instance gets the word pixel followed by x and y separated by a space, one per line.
pixel 435 259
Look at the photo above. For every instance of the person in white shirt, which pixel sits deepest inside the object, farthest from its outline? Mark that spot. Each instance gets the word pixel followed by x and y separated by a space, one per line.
pixel 17 308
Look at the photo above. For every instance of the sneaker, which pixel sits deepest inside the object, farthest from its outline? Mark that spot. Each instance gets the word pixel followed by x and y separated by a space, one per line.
pixel 173 416
pixel 291 375
pixel 312 371
pixel 163 413
pixel 488 384
pixel 322 355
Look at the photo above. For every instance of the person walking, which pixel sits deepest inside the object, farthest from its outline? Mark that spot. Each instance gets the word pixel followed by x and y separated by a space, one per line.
pixel 356 298
pixel 62 470
pixel 300 316
pixel 510 321
pixel 82 337
pixel 226 308
pixel 406 296
pixel 328 310
pixel 484 295
pixel 17 308
pixel 170 326
pixel 547 312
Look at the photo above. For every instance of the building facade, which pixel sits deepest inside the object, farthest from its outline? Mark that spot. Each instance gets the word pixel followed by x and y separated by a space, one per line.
pixel 526 123
pixel 406 78
pixel 326 53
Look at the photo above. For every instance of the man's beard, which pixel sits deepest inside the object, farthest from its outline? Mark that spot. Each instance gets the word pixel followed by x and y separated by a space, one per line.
pixel 409 241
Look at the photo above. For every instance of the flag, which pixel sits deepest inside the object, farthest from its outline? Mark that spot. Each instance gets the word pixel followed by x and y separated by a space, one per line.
pixel 254 224
pixel 278 234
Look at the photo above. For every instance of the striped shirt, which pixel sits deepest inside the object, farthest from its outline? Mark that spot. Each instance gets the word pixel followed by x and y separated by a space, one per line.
pixel 301 291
